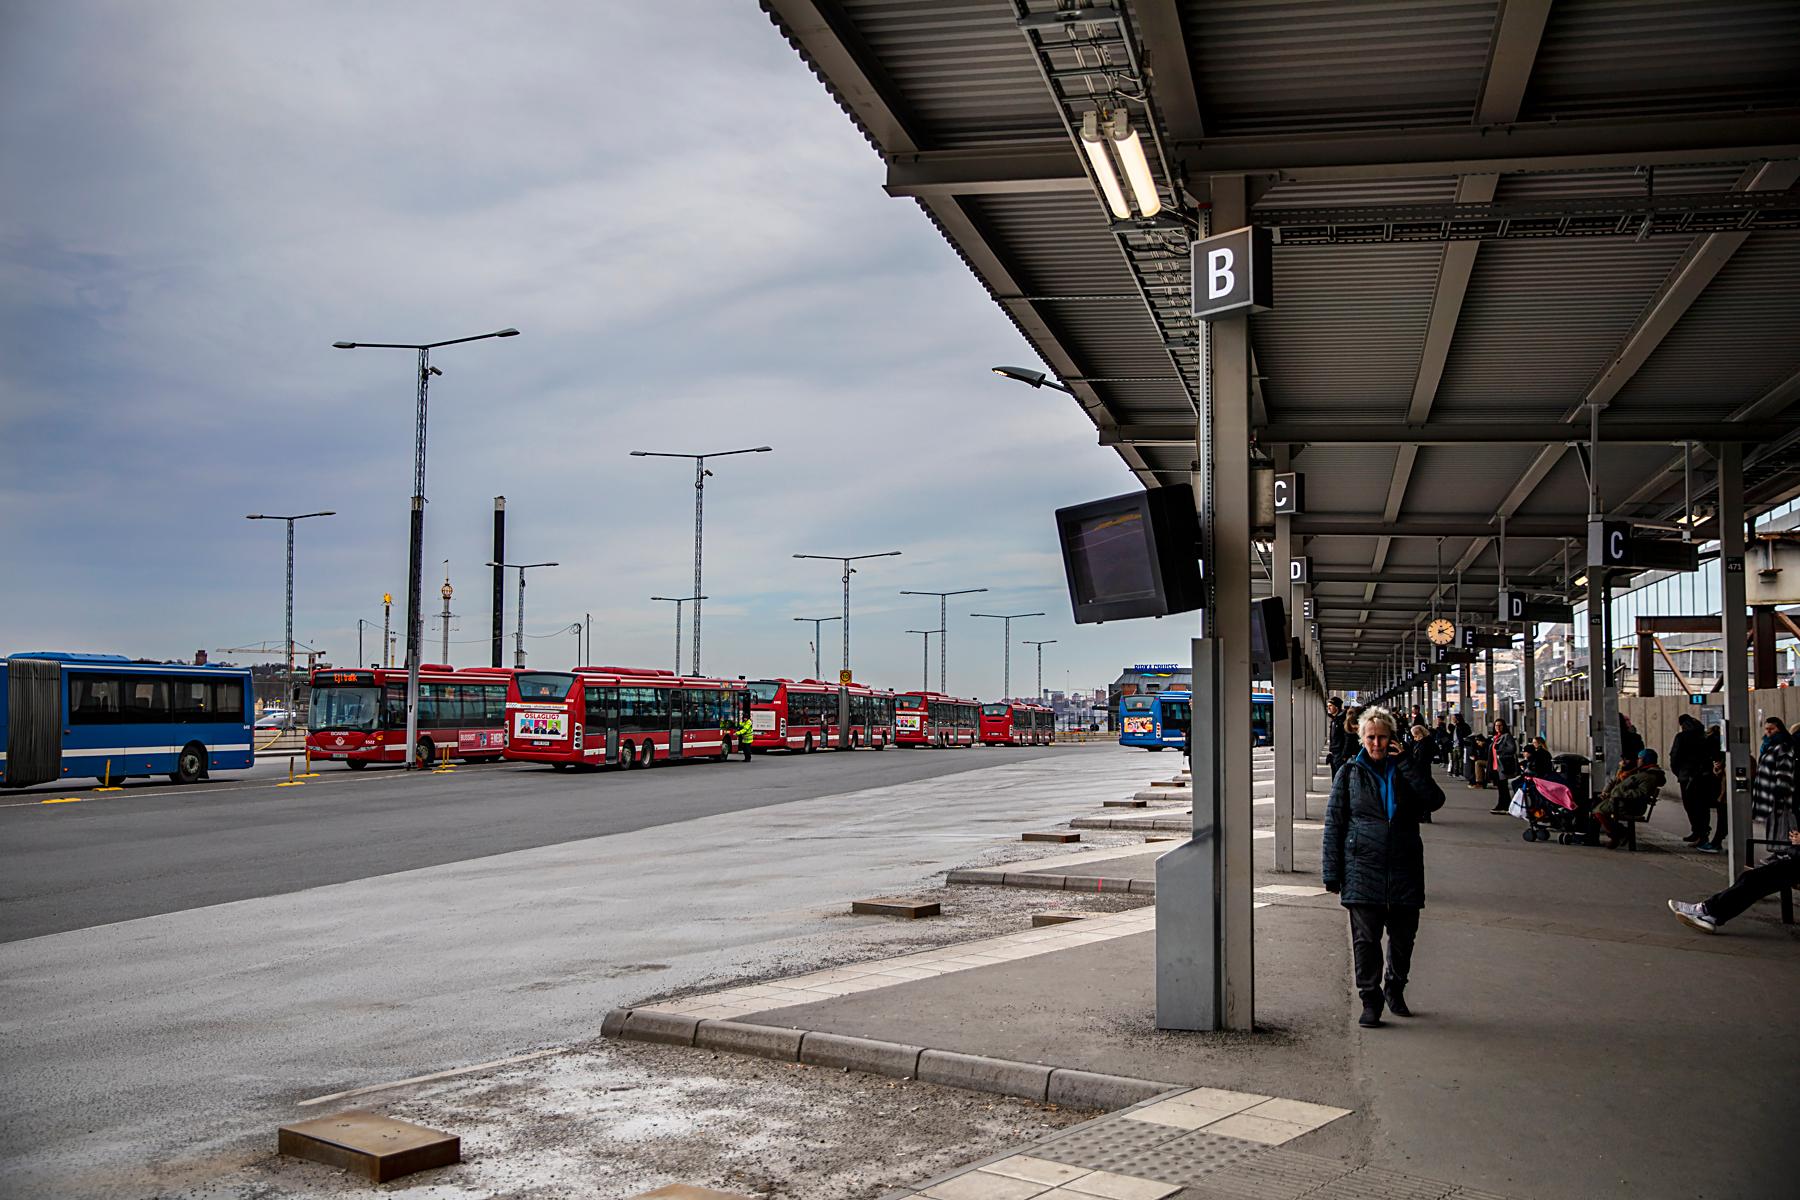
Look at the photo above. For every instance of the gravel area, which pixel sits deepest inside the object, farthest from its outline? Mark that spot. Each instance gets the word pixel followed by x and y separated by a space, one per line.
pixel 610 1120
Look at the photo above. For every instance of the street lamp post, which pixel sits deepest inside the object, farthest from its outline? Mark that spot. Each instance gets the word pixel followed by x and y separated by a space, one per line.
pixel 816 623
pixel 415 615
pixel 1036 379
pixel 1040 663
pixel 290 587
pixel 943 633
pixel 700 474
pixel 843 688
pixel 1008 619
pixel 678 601
pixel 519 637
pixel 925 662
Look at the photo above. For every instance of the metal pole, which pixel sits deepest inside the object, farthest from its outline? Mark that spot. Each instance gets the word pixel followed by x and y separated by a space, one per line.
pixel 415 566
pixel 290 614
pixel 387 623
pixel 498 651
pixel 699 517
pixel 943 647
pixel 588 622
pixel 1006 660
pixel 678 635
pixel 1734 627
pixel 519 637
pixel 359 644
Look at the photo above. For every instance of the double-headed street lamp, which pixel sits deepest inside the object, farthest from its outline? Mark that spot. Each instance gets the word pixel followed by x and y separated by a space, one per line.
pixel 816 623
pixel 1040 657
pixel 290 587
pixel 844 675
pixel 925 660
pixel 519 638
pixel 700 474
pixel 943 633
pixel 415 616
pixel 678 601
pixel 1008 618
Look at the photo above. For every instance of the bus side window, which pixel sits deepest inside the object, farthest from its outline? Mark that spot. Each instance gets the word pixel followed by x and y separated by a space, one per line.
pixel 94 700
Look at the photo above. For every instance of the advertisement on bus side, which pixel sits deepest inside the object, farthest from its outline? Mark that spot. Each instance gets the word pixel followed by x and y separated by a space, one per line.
pixel 540 723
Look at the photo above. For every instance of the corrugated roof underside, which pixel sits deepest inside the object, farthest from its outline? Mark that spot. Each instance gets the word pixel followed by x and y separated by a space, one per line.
pixel 965 71
pixel 1463 479
pixel 1542 320
pixel 1637 57
pixel 1351 479
pixel 1343 340
pixel 1270 66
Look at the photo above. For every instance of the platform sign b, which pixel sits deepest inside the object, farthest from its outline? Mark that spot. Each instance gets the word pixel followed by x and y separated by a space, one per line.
pixel 1232 275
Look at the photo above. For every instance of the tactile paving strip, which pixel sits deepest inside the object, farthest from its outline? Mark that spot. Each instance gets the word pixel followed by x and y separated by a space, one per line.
pixel 1373 1183
pixel 1185 1158
pixel 1275 1175
pixel 1115 1138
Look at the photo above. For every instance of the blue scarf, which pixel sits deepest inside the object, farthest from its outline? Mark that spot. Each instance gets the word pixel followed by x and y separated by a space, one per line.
pixel 1384 776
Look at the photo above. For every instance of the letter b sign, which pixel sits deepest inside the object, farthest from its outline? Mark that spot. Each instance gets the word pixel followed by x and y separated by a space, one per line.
pixel 1232 275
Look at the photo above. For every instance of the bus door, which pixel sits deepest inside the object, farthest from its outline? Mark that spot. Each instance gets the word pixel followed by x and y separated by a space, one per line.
pixel 609 718
pixel 675 726
pixel 34 721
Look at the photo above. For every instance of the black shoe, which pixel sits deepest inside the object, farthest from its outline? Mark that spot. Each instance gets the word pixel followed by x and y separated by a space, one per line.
pixel 1371 1016
pixel 1499 810
pixel 1396 1001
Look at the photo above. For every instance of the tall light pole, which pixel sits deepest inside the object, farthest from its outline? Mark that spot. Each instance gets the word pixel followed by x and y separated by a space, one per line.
pixel 1008 618
pixel 1040 655
pixel 415 566
pixel 519 638
pixel 678 601
pixel 700 474
pixel 843 689
pixel 925 662
pixel 943 633
pixel 816 623
pixel 290 587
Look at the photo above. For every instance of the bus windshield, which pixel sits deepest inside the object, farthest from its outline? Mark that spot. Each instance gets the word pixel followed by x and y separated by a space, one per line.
pixel 1136 704
pixel 910 700
pixel 545 685
pixel 341 708
pixel 993 710
pixel 763 692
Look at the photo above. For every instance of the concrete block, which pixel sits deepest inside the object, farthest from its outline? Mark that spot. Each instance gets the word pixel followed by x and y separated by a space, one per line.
pixel 670 1029
pixel 1054 835
pixel 976 1072
pixel 762 1041
pixel 891 907
pixel 1159 838
pixel 1142 887
pixel 1054 883
pixel 1089 1089
pixel 377 1148
pixel 1130 802
pixel 612 1025
pixel 1056 918
pixel 860 1054
pixel 975 875
pixel 688 1191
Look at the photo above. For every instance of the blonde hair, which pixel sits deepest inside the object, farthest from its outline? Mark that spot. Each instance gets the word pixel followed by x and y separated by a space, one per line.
pixel 1377 716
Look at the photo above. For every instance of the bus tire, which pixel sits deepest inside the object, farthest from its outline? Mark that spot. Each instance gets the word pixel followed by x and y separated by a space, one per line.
pixel 627 756
pixel 356 764
pixel 648 750
pixel 422 752
pixel 559 766
pixel 807 746
pixel 190 764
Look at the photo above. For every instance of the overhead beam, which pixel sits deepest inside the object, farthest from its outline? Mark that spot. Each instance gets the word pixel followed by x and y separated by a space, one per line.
pixel 1463 525
pixel 1030 170
pixel 1415 576
pixel 1588 144
pixel 1512 51
pixel 1461 433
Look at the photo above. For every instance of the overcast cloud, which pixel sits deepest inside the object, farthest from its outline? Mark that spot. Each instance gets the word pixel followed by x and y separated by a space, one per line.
pixel 197 199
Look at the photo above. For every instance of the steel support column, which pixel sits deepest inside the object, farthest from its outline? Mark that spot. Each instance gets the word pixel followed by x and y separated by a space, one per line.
pixel 1733 628
pixel 1528 680
pixel 1284 701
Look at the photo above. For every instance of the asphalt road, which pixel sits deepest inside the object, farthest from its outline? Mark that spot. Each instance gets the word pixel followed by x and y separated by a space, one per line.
pixel 261 945
pixel 155 847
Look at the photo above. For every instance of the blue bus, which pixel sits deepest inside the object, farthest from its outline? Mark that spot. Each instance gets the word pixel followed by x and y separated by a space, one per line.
pixel 66 716
pixel 1162 719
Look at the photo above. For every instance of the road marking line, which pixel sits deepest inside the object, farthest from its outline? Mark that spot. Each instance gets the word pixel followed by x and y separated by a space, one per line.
pixel 450 1074
pixel 63 800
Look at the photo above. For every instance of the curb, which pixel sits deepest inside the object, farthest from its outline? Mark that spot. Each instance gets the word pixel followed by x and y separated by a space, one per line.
pixel 1054 883
pixel 1063 1086
pixel 1181 824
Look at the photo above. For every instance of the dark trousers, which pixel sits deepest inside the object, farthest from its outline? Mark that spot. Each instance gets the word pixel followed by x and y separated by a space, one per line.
pixel 1752 886
pixel 1366 923
pixel 1700 802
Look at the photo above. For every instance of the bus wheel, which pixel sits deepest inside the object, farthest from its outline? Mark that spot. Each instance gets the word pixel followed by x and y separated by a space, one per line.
pixel 422 752
pixel 627 756
pixel 356 764
pixel 649 752
pixel 559 766
pixel 190 764
pixel 807 747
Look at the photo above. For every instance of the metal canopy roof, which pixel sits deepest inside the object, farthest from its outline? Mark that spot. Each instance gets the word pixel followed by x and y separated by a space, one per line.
pixel 1490 214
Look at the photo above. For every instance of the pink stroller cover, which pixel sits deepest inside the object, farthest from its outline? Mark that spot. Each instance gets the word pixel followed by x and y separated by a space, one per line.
pixel 1556 793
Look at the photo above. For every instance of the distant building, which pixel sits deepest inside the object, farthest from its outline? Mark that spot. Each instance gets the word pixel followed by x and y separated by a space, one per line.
pixel 1143 679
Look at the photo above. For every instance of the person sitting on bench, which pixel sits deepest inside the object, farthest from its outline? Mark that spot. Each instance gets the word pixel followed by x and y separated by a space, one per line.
pixel 1629 796
pixel 1781 871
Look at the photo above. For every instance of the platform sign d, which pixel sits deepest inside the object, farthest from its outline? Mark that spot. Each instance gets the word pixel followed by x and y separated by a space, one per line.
pixel 1232 275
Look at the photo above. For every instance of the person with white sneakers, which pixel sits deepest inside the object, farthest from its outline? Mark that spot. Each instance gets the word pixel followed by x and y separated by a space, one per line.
pixel 1782 870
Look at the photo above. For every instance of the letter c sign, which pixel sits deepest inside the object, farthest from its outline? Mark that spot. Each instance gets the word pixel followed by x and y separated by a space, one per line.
pixel 1616 542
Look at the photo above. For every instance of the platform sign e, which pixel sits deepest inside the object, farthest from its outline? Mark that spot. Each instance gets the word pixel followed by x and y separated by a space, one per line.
pixel 1232 274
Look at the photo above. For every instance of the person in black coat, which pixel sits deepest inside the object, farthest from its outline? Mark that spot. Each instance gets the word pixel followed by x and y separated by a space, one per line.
pixel 1374 859
pixel 1338 745
pixel 1691 763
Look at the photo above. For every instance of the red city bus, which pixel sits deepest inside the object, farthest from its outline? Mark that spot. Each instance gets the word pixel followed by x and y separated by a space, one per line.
pixel 620 716
pixel 802 715
pixel 1019 723
pixel 933 719
pixel 358 716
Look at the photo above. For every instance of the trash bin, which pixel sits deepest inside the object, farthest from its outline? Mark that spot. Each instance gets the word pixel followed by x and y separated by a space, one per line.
pixel 1573 769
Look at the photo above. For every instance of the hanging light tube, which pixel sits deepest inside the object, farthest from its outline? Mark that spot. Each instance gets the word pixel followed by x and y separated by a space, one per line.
pixel 1093 144
pixel 1130 149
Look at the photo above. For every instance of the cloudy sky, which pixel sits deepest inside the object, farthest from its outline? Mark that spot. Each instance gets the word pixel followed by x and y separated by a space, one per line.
pixel 197 199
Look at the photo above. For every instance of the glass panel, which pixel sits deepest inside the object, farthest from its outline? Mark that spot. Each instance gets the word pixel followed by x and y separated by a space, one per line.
pixel 94 700
pixel 335 708
pixel 764 692
pixel 228 699
pixel 545 685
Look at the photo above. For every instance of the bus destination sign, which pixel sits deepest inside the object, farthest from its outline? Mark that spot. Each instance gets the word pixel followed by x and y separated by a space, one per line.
pixel 344 679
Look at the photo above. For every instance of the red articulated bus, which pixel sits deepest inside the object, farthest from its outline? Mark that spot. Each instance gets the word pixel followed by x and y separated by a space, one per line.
pixel 802 715
pixel 1018 723
pixel 933 719
pixel 358 716
pixel 620 716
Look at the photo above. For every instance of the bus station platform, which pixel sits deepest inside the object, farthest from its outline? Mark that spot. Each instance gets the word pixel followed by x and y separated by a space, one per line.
pixel 1558 1051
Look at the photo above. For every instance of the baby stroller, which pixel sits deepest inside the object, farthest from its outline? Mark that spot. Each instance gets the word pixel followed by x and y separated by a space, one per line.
pixel 1546 805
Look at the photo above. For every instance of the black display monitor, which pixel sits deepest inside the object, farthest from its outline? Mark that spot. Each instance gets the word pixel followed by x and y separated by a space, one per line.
pixel 1268 635
pixel 1136 555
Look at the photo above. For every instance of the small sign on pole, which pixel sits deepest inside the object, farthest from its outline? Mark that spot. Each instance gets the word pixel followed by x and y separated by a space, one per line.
pixel 1232 274
pixel 844 677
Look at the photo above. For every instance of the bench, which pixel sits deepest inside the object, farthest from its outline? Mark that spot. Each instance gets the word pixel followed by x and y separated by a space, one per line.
pixel 1631 823
pixel 1787 893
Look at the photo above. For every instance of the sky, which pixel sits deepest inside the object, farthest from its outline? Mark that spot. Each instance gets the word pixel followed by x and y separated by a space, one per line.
pixel 197 199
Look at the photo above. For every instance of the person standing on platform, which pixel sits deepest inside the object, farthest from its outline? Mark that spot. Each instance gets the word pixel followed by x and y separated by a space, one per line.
pixel 1337 740
pixel 1691 764
pixel 1503 758
pixel 1374 860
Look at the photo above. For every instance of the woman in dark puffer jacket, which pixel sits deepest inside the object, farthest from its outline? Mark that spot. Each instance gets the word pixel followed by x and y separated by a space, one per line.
pixel 1374 859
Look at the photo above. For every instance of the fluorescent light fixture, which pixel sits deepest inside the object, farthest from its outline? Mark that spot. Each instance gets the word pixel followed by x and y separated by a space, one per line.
pixel 1130 150
pixel 1094 146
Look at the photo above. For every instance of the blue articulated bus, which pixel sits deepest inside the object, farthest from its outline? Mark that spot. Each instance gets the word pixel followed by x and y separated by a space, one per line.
pixel 1163 719
pixel 75 716
pixel 1156 720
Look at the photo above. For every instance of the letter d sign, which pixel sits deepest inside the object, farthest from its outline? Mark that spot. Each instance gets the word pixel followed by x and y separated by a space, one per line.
pixel 1232 274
